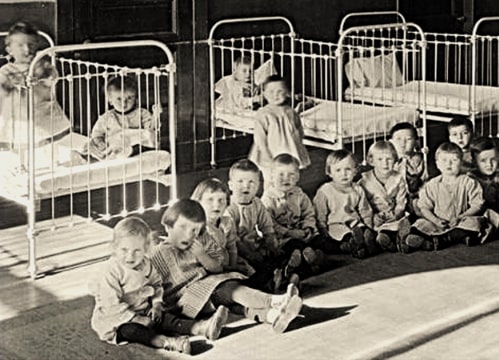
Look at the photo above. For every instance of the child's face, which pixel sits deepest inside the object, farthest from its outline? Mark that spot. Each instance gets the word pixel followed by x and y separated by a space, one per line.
pixel 275 93
pixel 122 101
pixel 183 232
pixel 448 164
pixel 343 171
pixel 214 204
pixel 130 251
pixel 244 186
pixel 404 141
pixel 460 135
pixel 22 47
pixel 242 72
pixel 486 161
pixel 382 161
pixel 284 176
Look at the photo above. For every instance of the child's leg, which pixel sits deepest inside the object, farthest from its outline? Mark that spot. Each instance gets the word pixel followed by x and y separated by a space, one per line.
pixel 325 243
pixel 138 333
pixel 470 238
pixel 387 240
pixel 417 240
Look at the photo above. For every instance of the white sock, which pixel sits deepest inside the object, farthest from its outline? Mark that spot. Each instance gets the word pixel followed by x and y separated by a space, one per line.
pixel 272 315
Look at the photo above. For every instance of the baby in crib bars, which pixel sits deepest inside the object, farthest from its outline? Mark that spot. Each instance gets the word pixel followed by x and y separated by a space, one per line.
pixel 125 125
pixel 51 124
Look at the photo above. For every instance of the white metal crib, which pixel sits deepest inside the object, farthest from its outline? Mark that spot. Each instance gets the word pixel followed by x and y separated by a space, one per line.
pixel 59 172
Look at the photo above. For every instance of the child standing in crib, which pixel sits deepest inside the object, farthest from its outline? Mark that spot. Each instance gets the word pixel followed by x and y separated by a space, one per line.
pixel 278 129
pixel 192 273
pixel 257 240
pixel 22 43
pixel 386 191
pixel 344 215
pixel 450 204
pixel 294 218
pixel 129 296
pixel 123 126
pixel 486 158
pixel 461 133
pixel 238 91
pixel 213 195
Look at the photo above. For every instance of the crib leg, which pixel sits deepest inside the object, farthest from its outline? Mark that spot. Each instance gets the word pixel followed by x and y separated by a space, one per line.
pixel 32 268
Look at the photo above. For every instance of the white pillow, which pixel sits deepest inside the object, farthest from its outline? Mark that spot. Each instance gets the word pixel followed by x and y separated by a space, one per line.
pixel 264 71
pixel 354 73
pixel 381 71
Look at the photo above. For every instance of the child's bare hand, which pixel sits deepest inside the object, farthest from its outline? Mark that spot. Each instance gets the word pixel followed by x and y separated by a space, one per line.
pixel 442 224
pixel 378 219
pixel 156 313
pixel 157 109
pixel 197 248
pixel 143 320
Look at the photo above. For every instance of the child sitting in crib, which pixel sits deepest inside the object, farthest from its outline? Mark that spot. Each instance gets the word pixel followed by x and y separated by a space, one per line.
pixel 386 191
pixel 450 204
pixel 193 281
pixel 125 125
pixel 129 296
pixel 238 91
pixel 461 133
pixel 255 229
pixel 51 124
pixel 486 158
pixel 344 215
pixel 278 129
pixel 294 218
pixel 213 195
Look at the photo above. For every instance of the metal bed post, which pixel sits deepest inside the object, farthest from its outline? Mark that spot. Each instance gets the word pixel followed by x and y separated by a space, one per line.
pixel 212 69
pixel 369 13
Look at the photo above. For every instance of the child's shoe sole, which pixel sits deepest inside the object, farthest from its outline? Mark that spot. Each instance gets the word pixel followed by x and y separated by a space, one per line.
pixel 288 314
pixel 218 320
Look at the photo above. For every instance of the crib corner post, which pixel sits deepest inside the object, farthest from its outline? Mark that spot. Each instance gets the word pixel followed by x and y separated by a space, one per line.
pixel 32 267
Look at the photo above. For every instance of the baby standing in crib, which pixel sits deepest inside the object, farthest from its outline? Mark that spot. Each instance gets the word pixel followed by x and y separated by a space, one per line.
pixel 125 125
pixel 278 129
pixel 386 191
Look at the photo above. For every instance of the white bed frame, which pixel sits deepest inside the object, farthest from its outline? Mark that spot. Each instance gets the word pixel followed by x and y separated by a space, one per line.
pixel 79 100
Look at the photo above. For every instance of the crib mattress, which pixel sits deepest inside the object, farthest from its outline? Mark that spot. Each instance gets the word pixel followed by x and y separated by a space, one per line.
pixel 70 178
pixel 320 122
pixel 441 97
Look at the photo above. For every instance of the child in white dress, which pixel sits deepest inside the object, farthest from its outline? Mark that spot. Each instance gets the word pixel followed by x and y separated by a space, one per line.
pixel 344 215
pixel 213 195
pixel 461 133
pixel 278 129
pixel 386 191
pixel 450 204
pixel 193 281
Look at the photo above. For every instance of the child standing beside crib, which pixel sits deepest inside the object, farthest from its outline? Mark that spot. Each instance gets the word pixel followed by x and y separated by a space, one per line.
pixel 461 133
pixel 125 125
pixel 386 191
pixel 213 195
pixel 192 279
pixel 450 204
pixel 129 296
pixel 238 91
pixel 278 129
pixel 344 215
pixel 294 218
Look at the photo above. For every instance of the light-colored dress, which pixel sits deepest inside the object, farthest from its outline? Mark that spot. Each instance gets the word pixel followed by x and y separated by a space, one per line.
pixel 278 130
pixel 448 202
pixel 338 212
pixel 254 225
pixel 187 284
pixel 290 210
pixel 120 294
pixel 386 199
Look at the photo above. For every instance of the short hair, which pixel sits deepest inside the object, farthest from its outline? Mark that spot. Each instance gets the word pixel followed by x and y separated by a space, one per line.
pixel 244 165
pixel 449 148
pixel 273 79
pixel 188 208
pixel 403 126
pixel 336 156
pixel 132 226
pixel 460 121
pixel 212 184
pixel 286 159
pixel 481 144
pixel 381 146
pixel 21 28
pixel 127 83
pixel 242 59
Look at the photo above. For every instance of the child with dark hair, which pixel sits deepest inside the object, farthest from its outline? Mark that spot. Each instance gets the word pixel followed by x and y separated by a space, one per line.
pixel 450 205
pixel 461 133
pixel 278 129
pixel 124 125
pixel 344 215
pixel 193 281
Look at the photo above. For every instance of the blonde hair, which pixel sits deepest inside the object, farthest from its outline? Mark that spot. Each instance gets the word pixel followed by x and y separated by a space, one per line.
pixel 212 185
pixel 335 157
pixel 381 146
pixel 132 226
pixel 449 148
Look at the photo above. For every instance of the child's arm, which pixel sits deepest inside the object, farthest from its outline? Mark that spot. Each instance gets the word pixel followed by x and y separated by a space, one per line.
pixel 364 208
pixel 400 200
pixel 260 135
pixel 308 222
pixel 265 225
pixel 156 312
pixel 210 263
pixel 280 230
pixel 321 207
pixel 475 196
